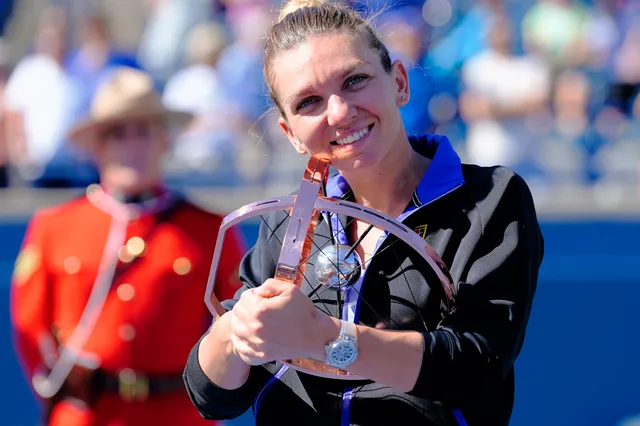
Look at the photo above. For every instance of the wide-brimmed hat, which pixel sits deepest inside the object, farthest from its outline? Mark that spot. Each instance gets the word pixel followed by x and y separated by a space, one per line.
pixel 126 93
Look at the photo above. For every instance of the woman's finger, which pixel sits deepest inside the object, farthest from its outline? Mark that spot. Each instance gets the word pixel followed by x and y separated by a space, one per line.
pixel 249 297
pixel 272 288
pixel 246 351
pixel 239 324
pixel 247 326
pixel 242 347
pixel 241 312
pixel 245 333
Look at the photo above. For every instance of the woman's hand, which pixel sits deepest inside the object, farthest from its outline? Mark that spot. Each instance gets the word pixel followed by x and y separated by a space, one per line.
pixel 277 321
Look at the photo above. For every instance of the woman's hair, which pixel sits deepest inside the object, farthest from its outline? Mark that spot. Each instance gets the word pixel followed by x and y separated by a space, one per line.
pixel 300 19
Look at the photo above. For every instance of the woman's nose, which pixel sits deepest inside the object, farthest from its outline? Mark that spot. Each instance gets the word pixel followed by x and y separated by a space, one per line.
pixel 339 111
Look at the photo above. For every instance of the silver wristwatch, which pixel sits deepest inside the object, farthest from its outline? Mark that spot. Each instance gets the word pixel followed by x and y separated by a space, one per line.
pixel 343 351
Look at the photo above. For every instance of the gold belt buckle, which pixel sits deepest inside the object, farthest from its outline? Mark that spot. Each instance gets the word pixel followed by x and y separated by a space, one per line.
pixel 132 386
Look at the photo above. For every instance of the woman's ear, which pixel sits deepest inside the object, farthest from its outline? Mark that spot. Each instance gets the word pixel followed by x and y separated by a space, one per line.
pixel 401 78
pixel 299 146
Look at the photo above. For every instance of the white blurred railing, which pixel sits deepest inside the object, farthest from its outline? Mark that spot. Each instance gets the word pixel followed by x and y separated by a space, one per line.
pixel 558 203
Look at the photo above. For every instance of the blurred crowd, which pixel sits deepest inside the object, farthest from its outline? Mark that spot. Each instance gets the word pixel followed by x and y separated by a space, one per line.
pixel 547 87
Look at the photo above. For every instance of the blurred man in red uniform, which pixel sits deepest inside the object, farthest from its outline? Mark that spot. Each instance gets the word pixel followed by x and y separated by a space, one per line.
pixel 108 289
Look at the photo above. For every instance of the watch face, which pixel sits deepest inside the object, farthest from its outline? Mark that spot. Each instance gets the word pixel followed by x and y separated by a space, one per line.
pixel 342 353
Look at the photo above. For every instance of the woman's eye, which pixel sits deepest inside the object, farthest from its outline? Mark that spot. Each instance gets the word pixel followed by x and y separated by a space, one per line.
pixel 305 103
pixel 355 80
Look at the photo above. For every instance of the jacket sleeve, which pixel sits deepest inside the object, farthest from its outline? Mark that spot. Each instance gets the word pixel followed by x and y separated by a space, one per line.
pixel 31 313
pixel 213 402
pixel 475 348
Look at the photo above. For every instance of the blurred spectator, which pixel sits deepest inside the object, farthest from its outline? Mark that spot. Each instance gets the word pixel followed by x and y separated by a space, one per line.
pixel 568 147
pixel 555 30
pixel 40 102
pixel 618 160
pixel 240 70
pixel 600 34
pixel 570 103
pixel 480 71
pixel 501 90
pixel 468 37
pixel 166 31
pixel 404 33
pixel 95 55
pixel 626 68
pixel 208 142
pixel 240 64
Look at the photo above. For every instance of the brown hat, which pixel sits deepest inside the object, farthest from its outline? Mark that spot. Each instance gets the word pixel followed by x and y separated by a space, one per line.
pixel 126 93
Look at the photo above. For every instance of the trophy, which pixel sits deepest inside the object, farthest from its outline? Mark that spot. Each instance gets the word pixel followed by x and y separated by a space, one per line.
pixel 338 265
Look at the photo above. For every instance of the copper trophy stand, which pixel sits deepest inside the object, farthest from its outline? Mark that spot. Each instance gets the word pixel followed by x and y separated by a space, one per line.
pixel 304 211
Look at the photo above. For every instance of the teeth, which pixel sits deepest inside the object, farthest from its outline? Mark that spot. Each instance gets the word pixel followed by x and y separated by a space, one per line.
pixel 353 137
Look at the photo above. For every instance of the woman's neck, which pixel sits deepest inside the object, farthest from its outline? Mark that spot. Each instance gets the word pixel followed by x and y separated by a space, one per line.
pixel 390 186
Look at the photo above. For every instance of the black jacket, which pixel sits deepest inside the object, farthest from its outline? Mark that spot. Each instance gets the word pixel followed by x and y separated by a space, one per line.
pixel 487 233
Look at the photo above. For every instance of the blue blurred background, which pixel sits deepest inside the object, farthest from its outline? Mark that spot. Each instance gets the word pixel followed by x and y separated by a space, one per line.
pixel 547 87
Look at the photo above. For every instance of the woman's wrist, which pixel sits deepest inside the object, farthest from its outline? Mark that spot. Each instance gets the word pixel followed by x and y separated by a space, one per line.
pixel 327 328
pixel 218 358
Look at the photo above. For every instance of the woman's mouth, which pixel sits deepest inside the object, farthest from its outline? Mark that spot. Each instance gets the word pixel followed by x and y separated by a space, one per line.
pixel 353 137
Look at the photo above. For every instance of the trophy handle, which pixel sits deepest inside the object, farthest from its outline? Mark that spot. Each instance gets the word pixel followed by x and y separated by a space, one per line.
pixel 241 214
pixel 305 208
pixel 304 219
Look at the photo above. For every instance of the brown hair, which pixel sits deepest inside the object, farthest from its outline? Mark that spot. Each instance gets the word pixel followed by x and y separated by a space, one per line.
pixel 300 19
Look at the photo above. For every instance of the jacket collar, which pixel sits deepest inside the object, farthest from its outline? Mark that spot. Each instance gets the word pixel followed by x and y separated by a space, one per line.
pixel 443 175
pixel 155 201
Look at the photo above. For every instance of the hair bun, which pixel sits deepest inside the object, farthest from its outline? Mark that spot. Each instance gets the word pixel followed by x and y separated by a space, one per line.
pixel 293 5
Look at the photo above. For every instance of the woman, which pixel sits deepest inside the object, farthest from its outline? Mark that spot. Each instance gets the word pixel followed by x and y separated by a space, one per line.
pixel 339 96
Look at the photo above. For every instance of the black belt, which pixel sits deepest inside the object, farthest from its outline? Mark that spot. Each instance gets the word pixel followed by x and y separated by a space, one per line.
pixel 133 385
pixel 84 387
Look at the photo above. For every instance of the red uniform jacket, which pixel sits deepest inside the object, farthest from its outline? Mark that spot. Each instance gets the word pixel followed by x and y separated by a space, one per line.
pixel 153 310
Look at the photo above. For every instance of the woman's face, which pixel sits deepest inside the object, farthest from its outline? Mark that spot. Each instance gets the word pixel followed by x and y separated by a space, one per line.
pixel 338 102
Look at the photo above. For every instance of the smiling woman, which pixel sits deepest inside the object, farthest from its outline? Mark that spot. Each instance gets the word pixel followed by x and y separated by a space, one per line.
pixel 342 104
pixel 337 90
pixel 339 96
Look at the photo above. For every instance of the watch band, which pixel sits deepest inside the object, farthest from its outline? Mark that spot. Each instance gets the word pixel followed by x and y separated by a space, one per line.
pixel 342 351
pixel 348 329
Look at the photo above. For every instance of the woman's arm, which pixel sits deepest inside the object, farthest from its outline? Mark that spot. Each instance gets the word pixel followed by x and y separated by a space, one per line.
pixel 217 357
pixel 391 358
pixel 216 402
pixel 474 349
pixel 219 383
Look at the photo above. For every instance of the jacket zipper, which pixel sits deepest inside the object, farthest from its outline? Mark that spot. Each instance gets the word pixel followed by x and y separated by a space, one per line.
pixel 348 394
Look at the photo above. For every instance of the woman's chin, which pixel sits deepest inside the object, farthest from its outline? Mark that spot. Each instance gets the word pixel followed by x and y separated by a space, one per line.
pixel 363 164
